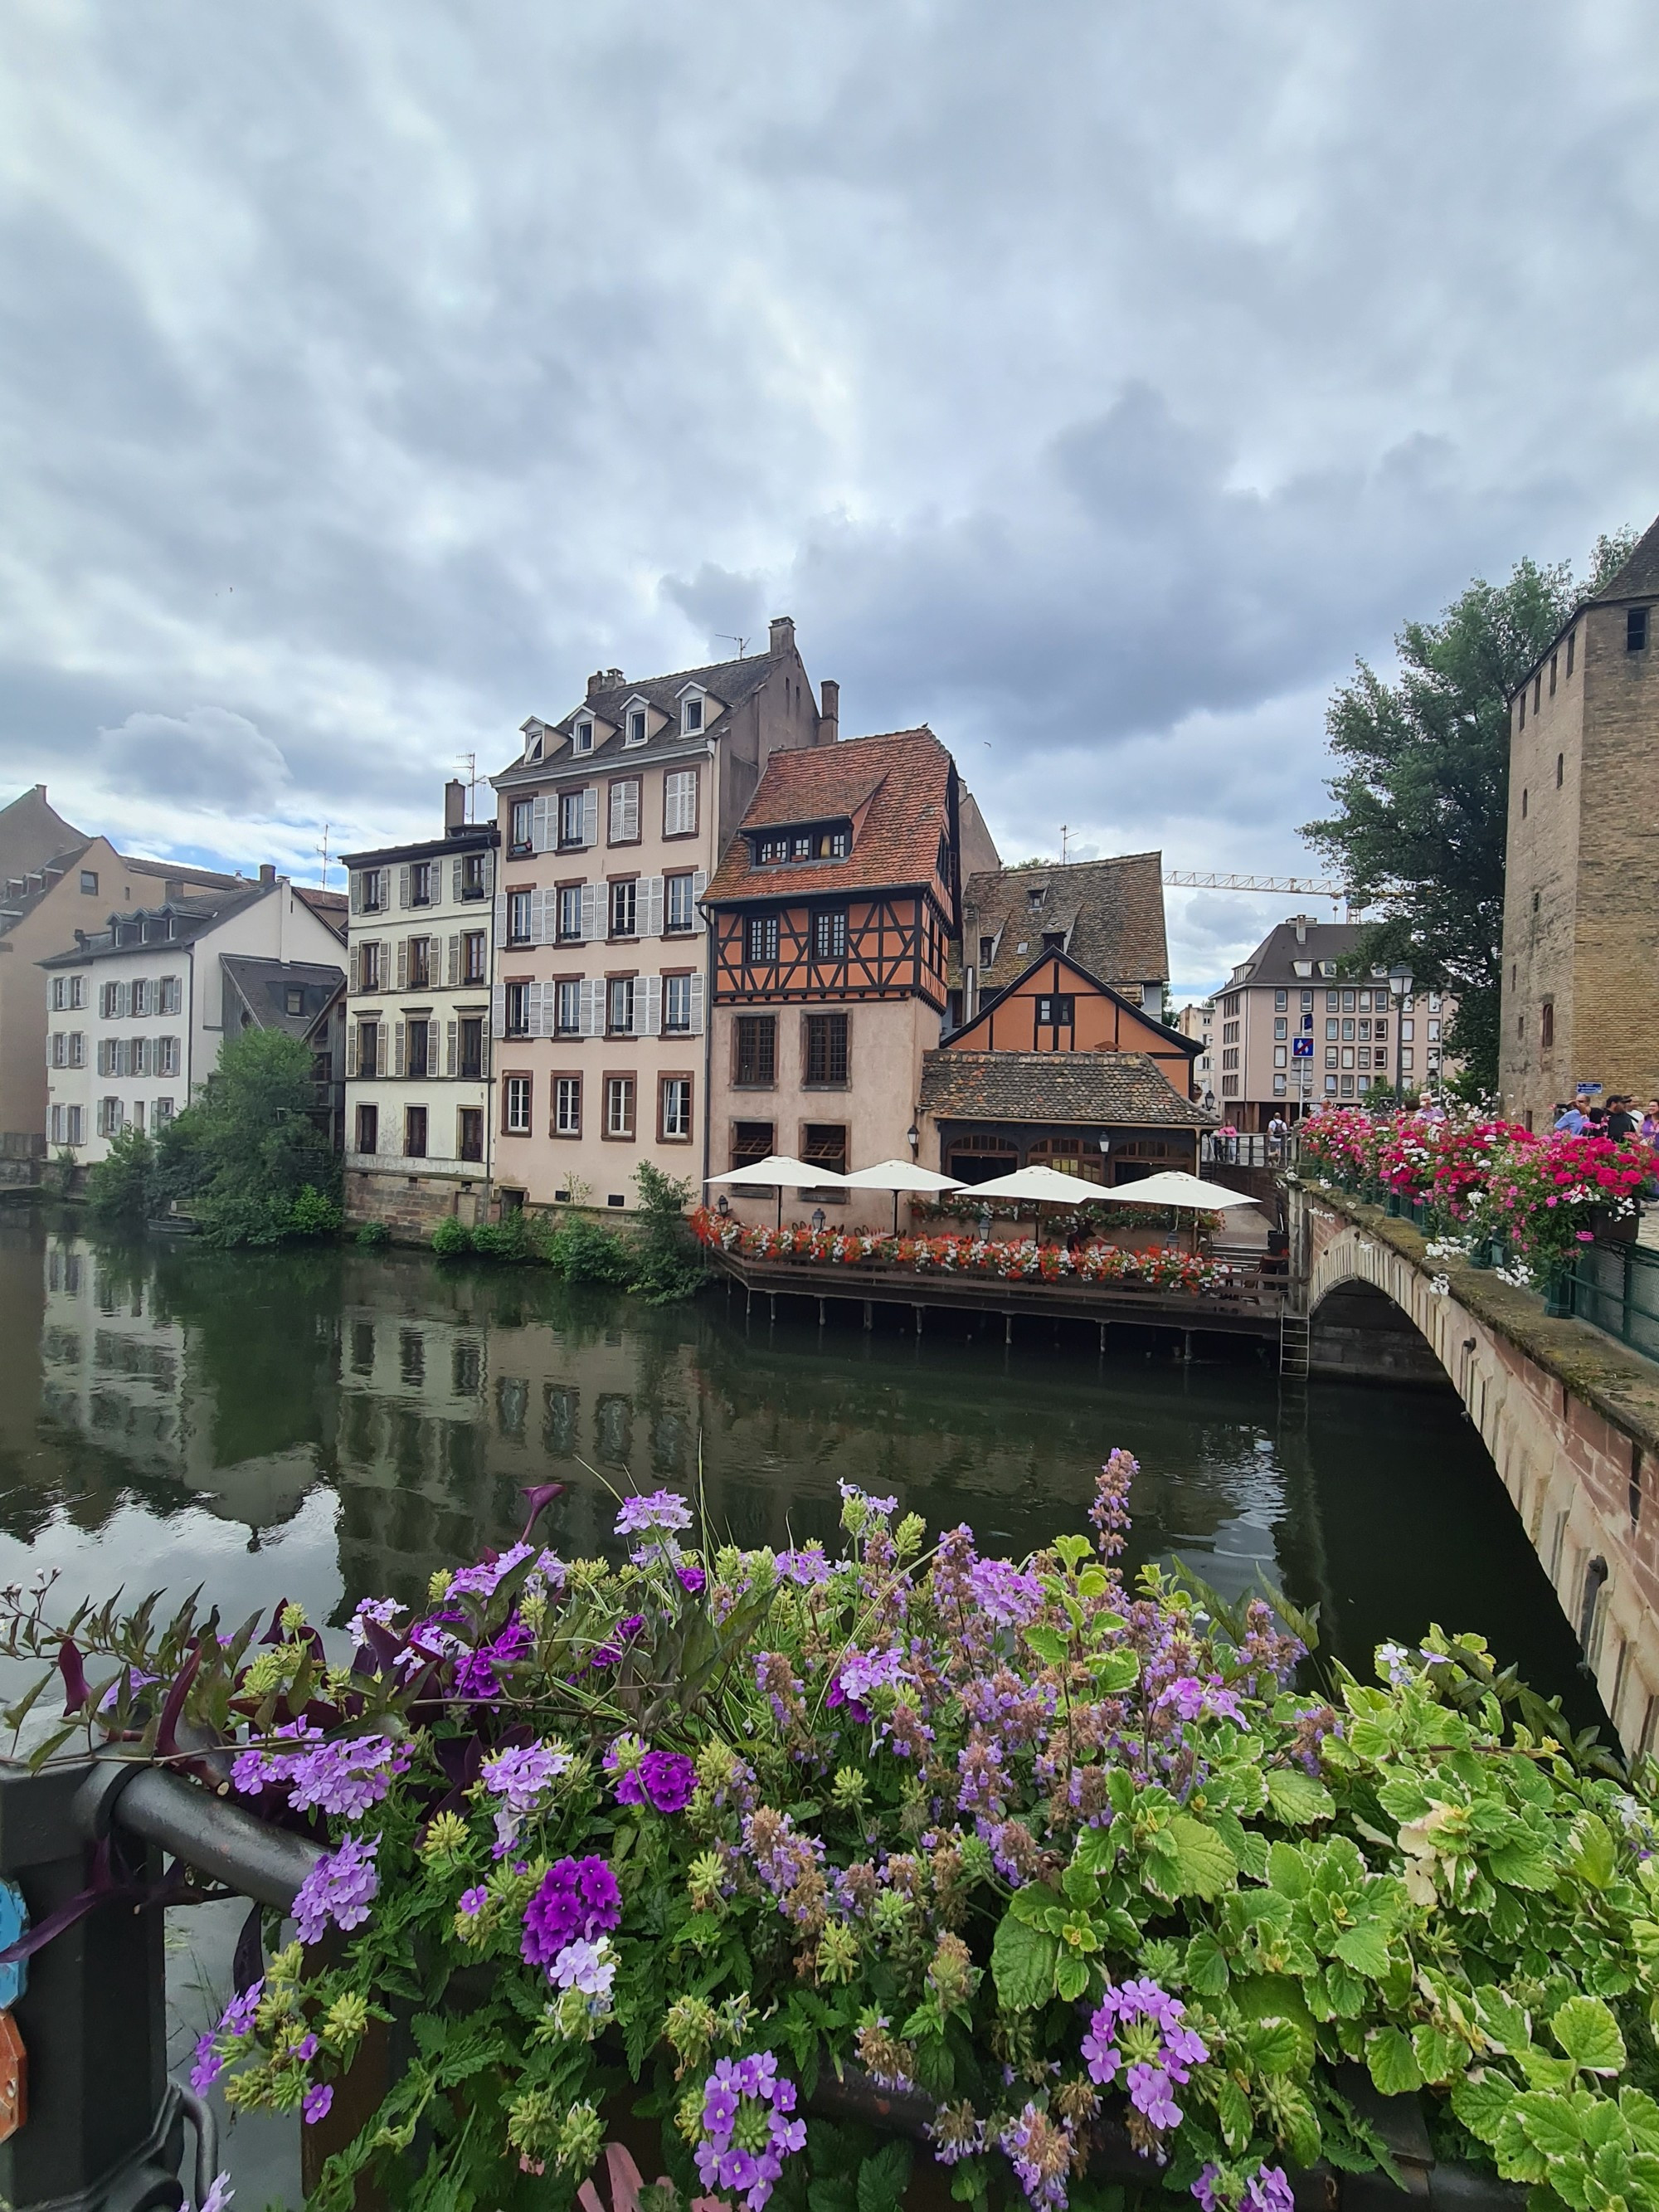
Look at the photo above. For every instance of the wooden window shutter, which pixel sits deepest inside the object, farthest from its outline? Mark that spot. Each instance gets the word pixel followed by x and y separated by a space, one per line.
pixel 592 918
pixel 451 1047
pixel 356 890
pixel 452 962
pixel 590 1014
pixel 499 909
pixel 546 917
pixel 498 1010
pixel 455 881
pixel 650 917
pixel 590 816
pixel 403 885
pixel 397 1048
pixel 403 973
pixel 697 982
pixel 542 837
pixel 650 1025
pixel 699 885
pixel 356 967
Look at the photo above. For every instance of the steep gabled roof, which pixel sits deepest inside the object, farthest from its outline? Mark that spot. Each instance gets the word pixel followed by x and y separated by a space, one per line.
pixel 190 919
pixel 1108 913
pixel 895 792
pixel 728 683
pixel 32 833
pixel 262 986
pixel 1638 579
pixel 21 896
pixel 1125 1089
pixel 987 1008
pixel 1274 959
pixel 333 907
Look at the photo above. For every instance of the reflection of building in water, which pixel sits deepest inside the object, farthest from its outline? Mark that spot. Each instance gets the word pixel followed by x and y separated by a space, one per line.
pixel 122 1370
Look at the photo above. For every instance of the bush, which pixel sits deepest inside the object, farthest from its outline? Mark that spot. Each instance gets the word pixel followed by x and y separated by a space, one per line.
pixel 241 1154
pixel 118 1187
pixel 450 1238
pixel 57 1177
pixel 371 1235
pixel 584 1251
pixel 511 1238
pixel 314 1213
pixel 668 1262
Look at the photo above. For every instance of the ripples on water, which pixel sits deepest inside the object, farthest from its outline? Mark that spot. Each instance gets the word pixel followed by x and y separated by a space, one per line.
pixel 327 1425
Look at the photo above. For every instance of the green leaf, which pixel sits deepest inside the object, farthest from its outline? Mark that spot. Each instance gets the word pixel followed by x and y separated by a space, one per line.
pixel 1590 1852
pixel 1071 1977
pixel 1196 1862
pixel 1233 2111
pixel 1437 2054
pixel 1548 2123
pixel 1365 1948
pixel 1115 1671
pixel 1393 2062
pixel 1287 1870
pixel 1520 1864
pixel 1589 2035
pixel 884 2178
pixel 1274 2046
pixel 1023 1962
pixel 827 2195
pixel 1480 2101
pixel 1297 1798
pixel 1502 2020
pixel 1206 1964
pixel 1049 1645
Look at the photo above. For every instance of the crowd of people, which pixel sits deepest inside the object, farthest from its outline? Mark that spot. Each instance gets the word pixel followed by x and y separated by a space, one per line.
pixel 1618 1118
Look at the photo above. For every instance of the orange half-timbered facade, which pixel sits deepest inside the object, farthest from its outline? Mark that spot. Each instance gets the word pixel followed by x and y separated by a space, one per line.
pixel 832 919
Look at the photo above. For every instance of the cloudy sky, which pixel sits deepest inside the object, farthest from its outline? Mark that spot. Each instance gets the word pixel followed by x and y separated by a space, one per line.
pixel 1092 380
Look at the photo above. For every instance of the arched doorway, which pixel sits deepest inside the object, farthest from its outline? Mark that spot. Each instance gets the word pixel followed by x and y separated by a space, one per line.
pixel 979 1155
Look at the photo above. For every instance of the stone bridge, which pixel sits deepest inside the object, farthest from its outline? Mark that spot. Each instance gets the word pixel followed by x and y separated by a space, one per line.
pixel 1571 1418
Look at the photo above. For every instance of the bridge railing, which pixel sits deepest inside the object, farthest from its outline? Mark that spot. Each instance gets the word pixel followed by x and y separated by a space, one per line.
pixel 1615 1287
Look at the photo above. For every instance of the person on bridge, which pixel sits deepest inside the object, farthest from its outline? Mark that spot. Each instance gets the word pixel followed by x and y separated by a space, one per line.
pixel 1571 1119
pixel 1278 1131
pixel 1621 1122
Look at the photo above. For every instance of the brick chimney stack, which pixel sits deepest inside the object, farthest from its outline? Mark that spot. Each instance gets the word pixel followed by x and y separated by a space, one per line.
pixel 454 806
pixel 830 718
pixel 782 635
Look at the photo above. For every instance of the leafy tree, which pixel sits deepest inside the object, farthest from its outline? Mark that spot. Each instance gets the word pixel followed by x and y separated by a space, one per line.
pixel 1422 792
pixel 668 1263
pixel 246 1152
pixel 118 1186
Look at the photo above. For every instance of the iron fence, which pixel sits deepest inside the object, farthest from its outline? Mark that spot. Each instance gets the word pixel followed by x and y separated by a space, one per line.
pixel 1615 1288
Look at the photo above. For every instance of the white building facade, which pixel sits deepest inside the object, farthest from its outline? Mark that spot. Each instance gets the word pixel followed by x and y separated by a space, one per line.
pixel 418 1055
pixel 136 1012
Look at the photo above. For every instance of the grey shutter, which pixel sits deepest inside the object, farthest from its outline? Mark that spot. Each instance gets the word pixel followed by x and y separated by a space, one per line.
pixel 455 882
pixel 547 1010
pixel 488 872
pixel 485 1060
pixel 403 885
pixel 590 815
pixel 356 983
pixel 356 890
pixel 351 1052
pixel 542 837
pixel 590 1007
pixel 652 1023
pixel 452 1057
pixel 545 917
pixel 696 1004
pixel 397 1048
pixel 699 885
pixel 498 1010
pixel 591 920
pixel 650 915
pixel 501 917
pixel 123 1000
pixel 402 968
pixel 452 964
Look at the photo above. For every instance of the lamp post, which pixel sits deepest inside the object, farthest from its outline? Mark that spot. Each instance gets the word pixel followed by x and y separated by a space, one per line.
pixel 1105 1144
pixel 913 1138
pixel 1400 983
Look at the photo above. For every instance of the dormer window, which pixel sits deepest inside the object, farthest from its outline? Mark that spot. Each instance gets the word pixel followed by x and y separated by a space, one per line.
pixel 817 840
pixel 635 726
pixel 1034 899
pixel 691 715
pixel 582 741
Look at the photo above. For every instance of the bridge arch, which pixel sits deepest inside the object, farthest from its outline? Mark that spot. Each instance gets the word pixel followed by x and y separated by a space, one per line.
pixel 1575 1476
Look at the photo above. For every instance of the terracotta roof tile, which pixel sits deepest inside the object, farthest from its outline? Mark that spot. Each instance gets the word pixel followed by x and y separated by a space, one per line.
pixel 902 781
pixel 1126 1090
pixel 1109 913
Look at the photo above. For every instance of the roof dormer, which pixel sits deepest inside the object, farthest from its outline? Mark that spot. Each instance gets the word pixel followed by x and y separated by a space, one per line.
pixel 636 721
pixel 695 704
pixel 535 734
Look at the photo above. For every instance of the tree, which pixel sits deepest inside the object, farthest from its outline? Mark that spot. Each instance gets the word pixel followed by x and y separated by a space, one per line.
pixel 1422 795
pixel 243 1154
pixel 118 1185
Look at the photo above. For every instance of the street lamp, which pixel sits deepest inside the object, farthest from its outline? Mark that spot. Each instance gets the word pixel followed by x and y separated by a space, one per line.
pixel 1400 983
pixel 1105 1144
pixel 913 1138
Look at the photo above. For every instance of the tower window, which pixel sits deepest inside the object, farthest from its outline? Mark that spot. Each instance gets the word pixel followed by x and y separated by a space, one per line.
pixel 1523 802
pixel 1636 629
pixel 1560 769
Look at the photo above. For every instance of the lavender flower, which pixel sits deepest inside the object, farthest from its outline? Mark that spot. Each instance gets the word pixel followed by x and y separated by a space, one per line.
pixel 1268 2190
pixel 1040 2154
pixel 207 2064
pixel 1136 2029
pixel 382 1611
pixel 1193 1700
pixel 1393 1664
pixel 316 2102
pixel 807 1568
pixel 692 1580
pixel 589 1967
pixel 339 1890
pixel 662 1513
pixel 484 1579
pixel 1000 1589
pixel 473 1901
pixel 1110 1510
pixel 219 2195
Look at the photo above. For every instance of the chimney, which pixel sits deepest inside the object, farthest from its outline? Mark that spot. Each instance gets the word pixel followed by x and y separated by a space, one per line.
pixel 830 718
pixel 613 679
pixel 454 806
pixel 1301 922
pixel 267 874
pixel 596 684
pixel 783 635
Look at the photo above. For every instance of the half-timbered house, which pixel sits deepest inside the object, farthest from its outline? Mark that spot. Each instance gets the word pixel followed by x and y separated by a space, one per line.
pixel 1060 1069
pixel 834 918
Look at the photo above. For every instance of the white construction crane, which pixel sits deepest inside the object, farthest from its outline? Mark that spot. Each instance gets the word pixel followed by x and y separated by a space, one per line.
pixel 1298 886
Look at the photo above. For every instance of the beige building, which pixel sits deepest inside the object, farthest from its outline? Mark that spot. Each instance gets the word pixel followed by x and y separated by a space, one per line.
pixel 1197 1021
pixel 1580 998
pixel 55 879
pixel 612 821
pixel 1291 1032
pixel 424 919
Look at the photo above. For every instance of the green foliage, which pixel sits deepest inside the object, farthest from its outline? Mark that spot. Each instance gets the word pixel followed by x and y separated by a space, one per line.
pixel 242 1154
pixel 118 1186
pixel 57 1177
pixel 371 1235
pixel 585 1251
pixel 450 1238
pixel 511 1238
pixel 668 1263
pixel 1422 789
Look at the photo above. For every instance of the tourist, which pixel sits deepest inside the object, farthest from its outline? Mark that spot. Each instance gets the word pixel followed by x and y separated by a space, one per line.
pixel 1621 1122
pixel 1596 1121
pixel 1572 1119
pixel 1278 1131
pixel 1651 1122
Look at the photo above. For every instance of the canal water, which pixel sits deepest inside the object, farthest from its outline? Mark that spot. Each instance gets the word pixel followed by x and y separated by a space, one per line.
pixel 330 1426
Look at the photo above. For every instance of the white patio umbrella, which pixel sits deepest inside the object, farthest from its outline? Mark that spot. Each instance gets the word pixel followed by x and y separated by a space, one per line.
pixel 1174 1187
pixel 1039 1186
pixel 781 1173
pixel 900 1174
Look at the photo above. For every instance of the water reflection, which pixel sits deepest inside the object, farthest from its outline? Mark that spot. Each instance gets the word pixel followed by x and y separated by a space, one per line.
pixel 325 1425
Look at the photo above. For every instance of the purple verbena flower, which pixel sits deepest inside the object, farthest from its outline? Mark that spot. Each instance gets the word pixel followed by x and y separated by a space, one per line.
pixel 316 2102
pixel 663 1512
pixel 577 1899
pixel 339 1890
pixel 1003 1594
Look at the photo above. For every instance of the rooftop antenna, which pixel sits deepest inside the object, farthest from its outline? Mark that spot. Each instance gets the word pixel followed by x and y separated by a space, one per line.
pixel 1065 837
pixel 731 637
pixel 323 850
pixel 470 762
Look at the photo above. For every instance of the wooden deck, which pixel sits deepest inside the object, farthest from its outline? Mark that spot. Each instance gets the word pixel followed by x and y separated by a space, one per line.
pixel 1251 1306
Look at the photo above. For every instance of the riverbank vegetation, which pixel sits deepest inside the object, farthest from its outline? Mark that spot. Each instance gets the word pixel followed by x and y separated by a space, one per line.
pixel 1484 1182
pixel 656 1257
pixel 1086 1869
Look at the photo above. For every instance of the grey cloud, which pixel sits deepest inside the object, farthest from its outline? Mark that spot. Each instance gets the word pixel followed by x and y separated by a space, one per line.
pixel 208 759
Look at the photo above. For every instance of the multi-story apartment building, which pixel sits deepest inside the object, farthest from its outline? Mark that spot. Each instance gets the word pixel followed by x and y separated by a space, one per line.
pixel 1292 1031
pixel 53 879
pixel 1197 1020
pixel 834 913
pixel 425 920
pixel 1579 1003
pixel 138 1010
pixel 612 820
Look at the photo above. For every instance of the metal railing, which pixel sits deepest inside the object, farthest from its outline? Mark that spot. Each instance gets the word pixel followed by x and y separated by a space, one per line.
pixel 1615 1288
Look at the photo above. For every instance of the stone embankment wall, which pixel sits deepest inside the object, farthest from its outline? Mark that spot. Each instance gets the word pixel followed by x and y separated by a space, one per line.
pixel 1571 1418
